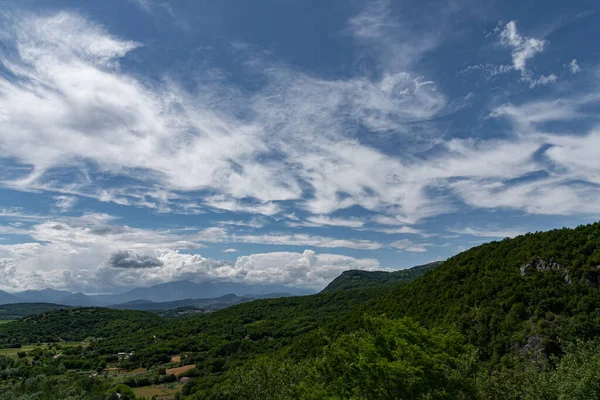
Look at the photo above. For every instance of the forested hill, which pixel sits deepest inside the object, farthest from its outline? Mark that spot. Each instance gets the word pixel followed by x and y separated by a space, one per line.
pixel 354 279
pixel 523 293
pixel 77 324
pixel 19 310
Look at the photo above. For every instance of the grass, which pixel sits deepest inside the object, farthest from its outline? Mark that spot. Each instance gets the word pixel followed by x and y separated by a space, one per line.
pixel 6 321
pixel 13 352
pixel 119 371
pixel 159 391
pixel 28 347
pixel 180 370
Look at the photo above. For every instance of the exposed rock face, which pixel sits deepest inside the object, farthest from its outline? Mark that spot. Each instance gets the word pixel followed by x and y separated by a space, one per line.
pixel 540 265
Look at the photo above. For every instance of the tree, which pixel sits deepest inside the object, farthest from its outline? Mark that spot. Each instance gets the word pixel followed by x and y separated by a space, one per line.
pixel 396 360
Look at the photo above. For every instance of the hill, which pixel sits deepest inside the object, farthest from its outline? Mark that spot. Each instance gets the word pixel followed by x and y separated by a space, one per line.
pixel 77 324
pixel 517 294
pixel 19 310
pixel 353 279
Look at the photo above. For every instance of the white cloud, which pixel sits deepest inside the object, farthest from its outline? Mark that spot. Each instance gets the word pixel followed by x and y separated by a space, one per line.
pixel 407 245
pixel 324 220
pixel 70 251
pixel 522 48
pixel 573 66
pixel 65 203
pixel 230 251
pixel 495 233
pixel 543 80
pixel 307 269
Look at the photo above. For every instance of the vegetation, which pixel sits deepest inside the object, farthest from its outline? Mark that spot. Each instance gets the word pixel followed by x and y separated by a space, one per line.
pixel 513 319
pixel 10 312
pixel 354 279
pixel 76 324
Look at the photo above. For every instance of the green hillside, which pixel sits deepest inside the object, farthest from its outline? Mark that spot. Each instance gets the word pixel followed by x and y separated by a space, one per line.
pixel 19 310
pixel 76 324
pixel 529 292
pixel 354 279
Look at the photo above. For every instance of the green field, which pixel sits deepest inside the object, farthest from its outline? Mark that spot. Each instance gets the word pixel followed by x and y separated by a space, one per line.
pixel 13 352
pixel 159 391
pixel 26 348
pixel 6 321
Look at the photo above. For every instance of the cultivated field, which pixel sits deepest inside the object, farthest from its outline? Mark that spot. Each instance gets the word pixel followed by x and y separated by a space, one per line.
pixel 27 348
pixel 160 391
pixel 180 370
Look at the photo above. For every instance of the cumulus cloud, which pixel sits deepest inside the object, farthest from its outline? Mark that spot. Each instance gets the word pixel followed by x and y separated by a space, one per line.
pixel 130 259
pixel 127 269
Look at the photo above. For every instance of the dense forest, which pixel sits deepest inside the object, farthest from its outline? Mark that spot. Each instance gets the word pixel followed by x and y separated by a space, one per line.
pixel 512 319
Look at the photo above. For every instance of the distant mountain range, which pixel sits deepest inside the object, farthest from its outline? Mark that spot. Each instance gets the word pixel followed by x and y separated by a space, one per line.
pixel 162 293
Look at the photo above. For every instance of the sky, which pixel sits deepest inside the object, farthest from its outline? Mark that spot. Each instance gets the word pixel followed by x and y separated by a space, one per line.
pixel 283 142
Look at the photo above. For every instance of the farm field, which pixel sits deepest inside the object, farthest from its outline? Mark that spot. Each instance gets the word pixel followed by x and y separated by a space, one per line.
pixel 180 370
pixel 12 352
pixel 160 391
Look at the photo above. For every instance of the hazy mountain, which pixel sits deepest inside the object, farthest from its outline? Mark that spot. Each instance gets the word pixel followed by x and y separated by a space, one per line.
pixel 7 298
pixel 164 292
pixel 212 303
pixel 80 300
pixel 180 290
pixel 43 296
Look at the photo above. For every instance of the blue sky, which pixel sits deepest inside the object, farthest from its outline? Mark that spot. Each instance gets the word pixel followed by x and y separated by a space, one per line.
pixel 286 141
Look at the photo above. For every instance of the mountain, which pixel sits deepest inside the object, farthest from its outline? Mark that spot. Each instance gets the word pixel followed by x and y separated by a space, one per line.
pixel 20 310
pixel 212 304
pixel 165 292
pixel 180 290
pixel 80 300
pixel 7 298
pixel 43 296
pixel 353 279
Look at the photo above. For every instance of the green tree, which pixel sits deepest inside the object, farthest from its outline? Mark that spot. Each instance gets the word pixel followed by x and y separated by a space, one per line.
pixel 396 360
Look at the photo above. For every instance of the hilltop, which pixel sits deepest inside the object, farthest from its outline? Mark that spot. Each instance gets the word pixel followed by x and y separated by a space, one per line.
pixel 354 279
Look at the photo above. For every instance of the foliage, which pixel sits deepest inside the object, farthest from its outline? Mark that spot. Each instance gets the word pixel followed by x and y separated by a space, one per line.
pixel 76 324
pixel 399 360
pixel 19 310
